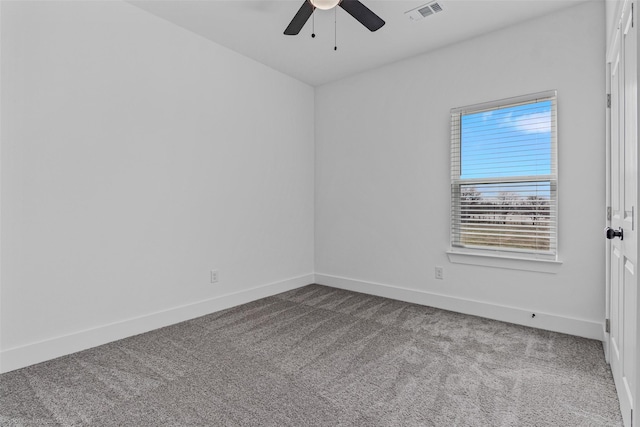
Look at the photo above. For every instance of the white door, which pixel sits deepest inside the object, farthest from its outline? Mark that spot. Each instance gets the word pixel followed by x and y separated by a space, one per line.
pixel 623 193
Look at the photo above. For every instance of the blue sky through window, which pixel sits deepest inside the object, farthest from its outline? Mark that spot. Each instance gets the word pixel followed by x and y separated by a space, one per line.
pixel 511 141
pixel 508 142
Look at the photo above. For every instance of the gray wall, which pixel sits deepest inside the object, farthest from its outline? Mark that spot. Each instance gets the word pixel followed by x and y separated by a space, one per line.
pixel 136 157
pixel 382 173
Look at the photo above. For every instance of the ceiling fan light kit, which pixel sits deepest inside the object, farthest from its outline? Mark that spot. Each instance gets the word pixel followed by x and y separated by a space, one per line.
pixel 325 4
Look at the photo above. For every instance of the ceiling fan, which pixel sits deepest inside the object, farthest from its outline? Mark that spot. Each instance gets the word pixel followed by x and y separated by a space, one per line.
pixel 353 7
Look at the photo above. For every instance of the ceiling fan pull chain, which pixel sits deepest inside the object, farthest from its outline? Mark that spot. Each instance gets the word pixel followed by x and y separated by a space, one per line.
pixel 335 28
pixel 313 23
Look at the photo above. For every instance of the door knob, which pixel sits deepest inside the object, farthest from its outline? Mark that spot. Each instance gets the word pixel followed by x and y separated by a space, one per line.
pixel 611 233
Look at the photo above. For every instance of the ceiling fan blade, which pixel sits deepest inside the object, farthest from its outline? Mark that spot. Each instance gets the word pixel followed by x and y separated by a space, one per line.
pixel 300 19
pixel 363 14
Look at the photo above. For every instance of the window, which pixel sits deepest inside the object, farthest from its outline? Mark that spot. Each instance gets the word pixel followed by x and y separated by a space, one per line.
pixel 504 177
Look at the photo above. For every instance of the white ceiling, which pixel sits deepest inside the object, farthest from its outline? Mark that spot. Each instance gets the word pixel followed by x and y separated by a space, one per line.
pixel 255 29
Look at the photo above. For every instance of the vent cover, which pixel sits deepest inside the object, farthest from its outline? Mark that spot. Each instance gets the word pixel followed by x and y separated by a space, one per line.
pixel 424 11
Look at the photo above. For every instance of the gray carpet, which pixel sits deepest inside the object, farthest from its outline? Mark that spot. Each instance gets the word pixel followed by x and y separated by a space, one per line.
pixel 318 356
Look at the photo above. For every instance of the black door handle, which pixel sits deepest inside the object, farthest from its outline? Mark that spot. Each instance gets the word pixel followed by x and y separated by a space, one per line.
pixel 611 233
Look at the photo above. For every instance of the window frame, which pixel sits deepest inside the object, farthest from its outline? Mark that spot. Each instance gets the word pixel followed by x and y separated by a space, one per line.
pixel 459 252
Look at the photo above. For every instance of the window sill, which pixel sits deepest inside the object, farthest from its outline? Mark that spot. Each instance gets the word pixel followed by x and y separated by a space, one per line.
pixel 506 262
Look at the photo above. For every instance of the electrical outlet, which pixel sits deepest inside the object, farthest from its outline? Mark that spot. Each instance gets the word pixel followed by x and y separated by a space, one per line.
pixel 440 273
pixel 214 276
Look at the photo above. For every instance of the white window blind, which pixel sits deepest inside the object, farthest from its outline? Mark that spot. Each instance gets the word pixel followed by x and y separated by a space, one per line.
pixel 504 176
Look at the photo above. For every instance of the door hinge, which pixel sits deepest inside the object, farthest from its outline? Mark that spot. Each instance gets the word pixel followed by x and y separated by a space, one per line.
pixel 608 213
pixel 632 15
pixel 607 326
pixel 608 100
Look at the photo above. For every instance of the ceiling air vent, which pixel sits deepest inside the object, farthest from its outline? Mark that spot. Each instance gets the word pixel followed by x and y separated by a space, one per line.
pixel 424 11
pixel 436 7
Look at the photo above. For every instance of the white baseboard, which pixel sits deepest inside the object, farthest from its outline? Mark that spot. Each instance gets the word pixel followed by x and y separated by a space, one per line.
pixel 30 354
pixel 551 322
